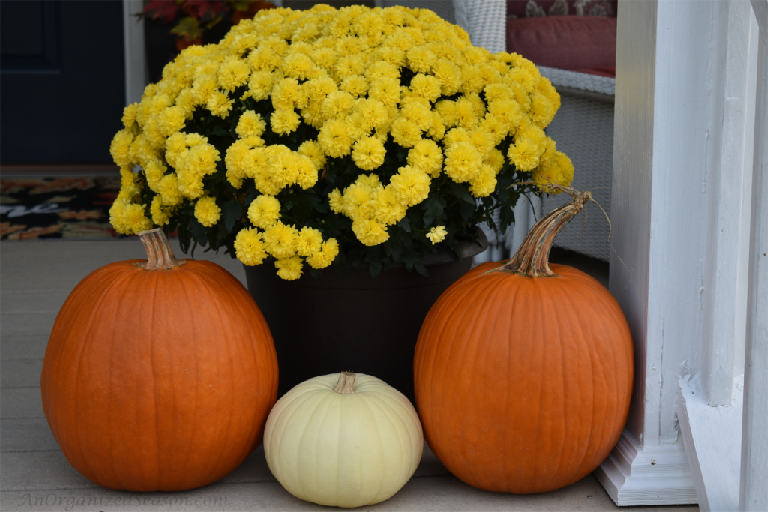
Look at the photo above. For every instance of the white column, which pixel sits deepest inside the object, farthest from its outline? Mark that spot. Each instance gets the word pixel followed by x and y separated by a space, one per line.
pixel 135 59
pixel 754 454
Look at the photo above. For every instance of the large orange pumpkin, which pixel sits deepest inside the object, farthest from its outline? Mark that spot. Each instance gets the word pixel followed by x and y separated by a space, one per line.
pixel 524 373
pixel 158 375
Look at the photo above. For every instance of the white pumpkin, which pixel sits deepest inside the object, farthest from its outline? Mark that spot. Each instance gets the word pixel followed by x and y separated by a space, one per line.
pixel 344 440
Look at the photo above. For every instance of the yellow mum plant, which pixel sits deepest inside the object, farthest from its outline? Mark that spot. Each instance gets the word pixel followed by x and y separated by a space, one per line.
pixel 332 137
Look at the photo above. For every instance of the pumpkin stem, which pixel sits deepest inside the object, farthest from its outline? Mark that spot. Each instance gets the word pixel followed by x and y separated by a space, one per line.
pixel 532 258
pixel 346 381
pixel 159 253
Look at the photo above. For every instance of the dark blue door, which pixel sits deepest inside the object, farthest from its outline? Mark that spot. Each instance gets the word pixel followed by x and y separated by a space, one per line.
pixel 62 86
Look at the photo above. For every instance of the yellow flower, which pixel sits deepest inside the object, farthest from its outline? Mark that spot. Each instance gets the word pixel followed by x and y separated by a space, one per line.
pixel 233 73
pixel 284 122
pixel 219 104
pixel 336 138
pixel 484 183
pixel 524 154
pixel 168 188
pixel 336 201
pixel 418 112
pixel 207 211
pixel 129 115
pixel 368 153
pixel 260 85
pixel 286 94
pixel 465 113
pixel 411 185
pixel 390 209
pixel 263 59
pixel 449 75
pixel 323 258
pixel 426 156
pixel 421 59
pixel 447 111
pixel 160 215
pixel 382 69
pixel 457 135
pixel 312 149
pixel 120 147
pixel 264 211
pixel 386 90
pixel 482 140
pixel 406 133
pixel 495 159
pixel 250 124
pixel 171 120
pixel 249 247
pixel 297 65
pixel 128 218
pixel 355 85
pixel 437 234
pixel 425 86
pixel 370 232
pixel 289 268
pixel 508 111
pixel 154 172
pixel 309 242
pixel 281 240
pixel 462 161
pixel 559 172
pixel 372 112
pixel 338 104
pixel 541 112
pixel 358 201
pixel 307 172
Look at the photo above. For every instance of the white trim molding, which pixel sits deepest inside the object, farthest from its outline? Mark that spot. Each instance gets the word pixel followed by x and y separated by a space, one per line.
pixel 636 475
pixel 134 51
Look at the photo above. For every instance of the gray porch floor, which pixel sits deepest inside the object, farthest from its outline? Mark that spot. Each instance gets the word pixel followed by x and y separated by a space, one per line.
pixel 35 279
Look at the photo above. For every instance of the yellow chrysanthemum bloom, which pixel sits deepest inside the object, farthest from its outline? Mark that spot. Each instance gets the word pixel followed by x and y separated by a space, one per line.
pixel 160 215
pixel 128 218
pixel 372 112
pixel 219 104
pixel 335 138
pixel 406 133
pixel 154 172
pixel 308 242
pixel 524 154
pixel 260 85
pixel 249 247
pixel 168 188
pixel 120 147
pixel 421 59
pixel 280 240
pixel 386 90
pixel 323 258
pixel 312 149
pixel 289 268
pixel 264 211
pixel 250 124
pixel 437 234
pixel 495 159
pixel 457 135
pixel 411 185
pixel 368 153
pixel 171 120
pixel 427 156
pixel 355 85
pixel 336 201
pixel 284 122
pixel 207 212
pixel 297 65
pixel 286 94
pixel 390 209
pixel 129 115
pixel 370 232
pixel 358 201
pixel 233 73
pixel 307 172
pixel 425 86
pixel 559 172
pixel 484 183
pixel 462 161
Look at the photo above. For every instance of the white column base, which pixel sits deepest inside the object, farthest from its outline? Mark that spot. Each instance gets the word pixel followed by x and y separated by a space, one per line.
pixel 651 476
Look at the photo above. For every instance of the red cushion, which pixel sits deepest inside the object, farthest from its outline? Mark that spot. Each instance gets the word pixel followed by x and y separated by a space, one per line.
pixel 564 42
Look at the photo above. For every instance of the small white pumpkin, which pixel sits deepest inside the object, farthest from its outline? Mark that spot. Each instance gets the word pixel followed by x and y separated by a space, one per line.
pixel 344 440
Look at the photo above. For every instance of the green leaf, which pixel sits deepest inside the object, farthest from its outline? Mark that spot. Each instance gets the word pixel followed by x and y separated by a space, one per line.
pixel 232 210
pixel 433 208
pixel 198 231
pixel 375 267
pixel 459 191
pixel 405 224
pixel 420 268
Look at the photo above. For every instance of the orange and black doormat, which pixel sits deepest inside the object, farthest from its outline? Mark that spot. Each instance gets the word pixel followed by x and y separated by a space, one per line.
pixel 57 207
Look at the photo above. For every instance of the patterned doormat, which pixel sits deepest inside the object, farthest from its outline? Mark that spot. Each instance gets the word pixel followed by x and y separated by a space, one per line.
pixel 67 207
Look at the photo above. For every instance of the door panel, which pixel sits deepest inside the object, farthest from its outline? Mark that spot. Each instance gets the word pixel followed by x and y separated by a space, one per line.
pixel 62 80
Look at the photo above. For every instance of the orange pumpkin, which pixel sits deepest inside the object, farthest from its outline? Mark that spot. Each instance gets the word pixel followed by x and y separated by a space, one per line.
pixel 158 375
pixel 523 372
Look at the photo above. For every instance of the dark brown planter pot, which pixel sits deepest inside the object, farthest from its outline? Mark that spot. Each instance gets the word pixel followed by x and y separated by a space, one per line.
pixel 352 322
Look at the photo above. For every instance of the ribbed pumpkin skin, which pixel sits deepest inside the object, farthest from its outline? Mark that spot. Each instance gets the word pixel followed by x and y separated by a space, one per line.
pixel 523 384
pixel 158 380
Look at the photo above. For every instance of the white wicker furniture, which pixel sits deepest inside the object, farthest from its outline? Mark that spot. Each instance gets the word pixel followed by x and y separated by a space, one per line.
pixel 583 130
